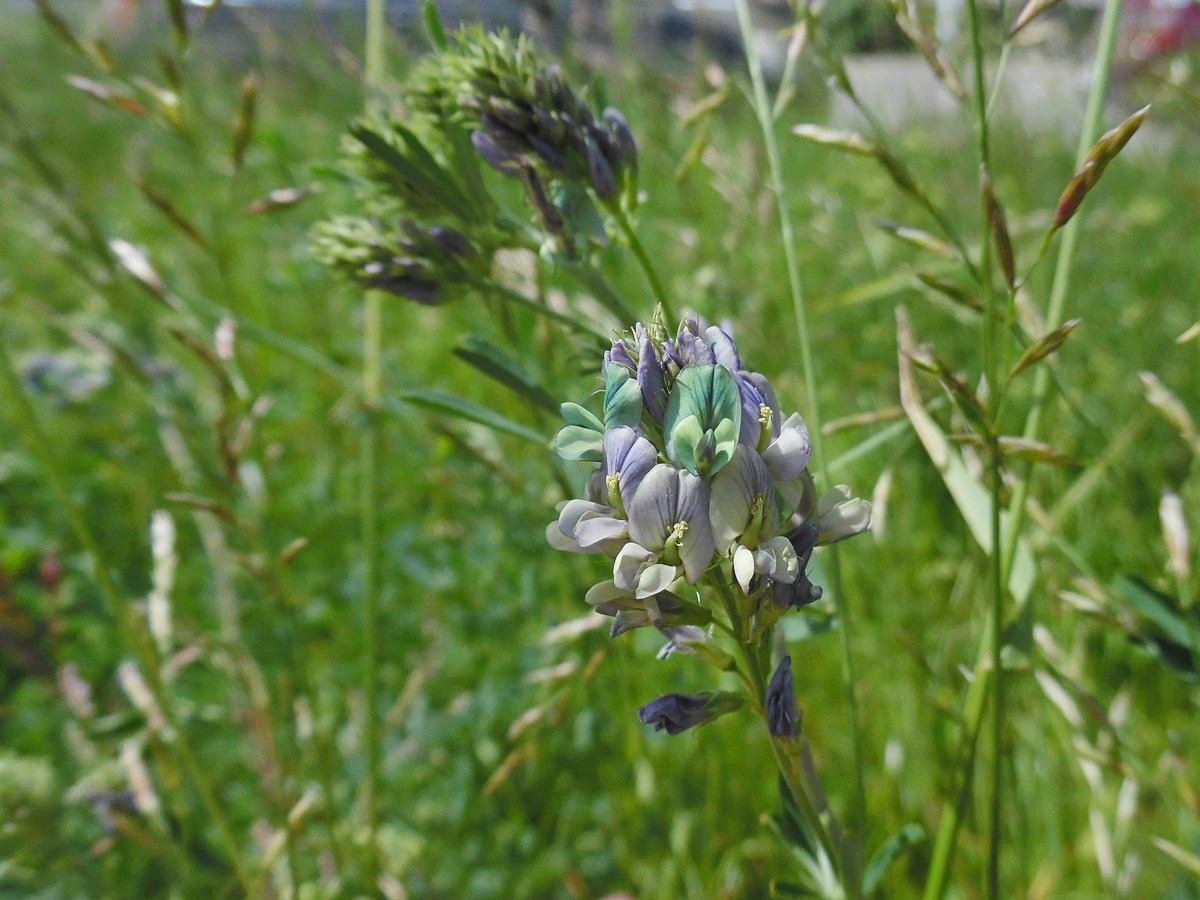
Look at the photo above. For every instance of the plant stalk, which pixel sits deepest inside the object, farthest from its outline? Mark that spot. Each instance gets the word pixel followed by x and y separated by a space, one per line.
pixel 643 258
pixel 1093 113
pixel 372 399
pixel 763 112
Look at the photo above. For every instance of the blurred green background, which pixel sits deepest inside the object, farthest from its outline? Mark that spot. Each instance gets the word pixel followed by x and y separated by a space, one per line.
pixel 514 765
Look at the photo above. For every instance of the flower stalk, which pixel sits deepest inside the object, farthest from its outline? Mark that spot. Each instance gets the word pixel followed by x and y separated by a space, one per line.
pixel 699 482
pixel 766 120
pixel 372 400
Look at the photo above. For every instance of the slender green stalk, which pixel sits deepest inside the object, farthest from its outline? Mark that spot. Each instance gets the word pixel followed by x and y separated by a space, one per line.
pixel 643 258
pixel 372 398
pixel 763 111
pixel 785 750
pixel 952 813
pixel 1066 257
pixel 131 631
pixel 990 321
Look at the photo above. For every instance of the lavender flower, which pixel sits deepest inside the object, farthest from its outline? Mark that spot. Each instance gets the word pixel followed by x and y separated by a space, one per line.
pixel 694 466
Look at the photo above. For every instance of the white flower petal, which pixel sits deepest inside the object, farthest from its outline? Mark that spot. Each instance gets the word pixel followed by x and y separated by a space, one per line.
pixel 655 578
pixel 743 567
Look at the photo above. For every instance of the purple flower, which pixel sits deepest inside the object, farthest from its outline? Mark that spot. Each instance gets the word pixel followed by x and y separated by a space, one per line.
pixel 668 515
pixel 628 458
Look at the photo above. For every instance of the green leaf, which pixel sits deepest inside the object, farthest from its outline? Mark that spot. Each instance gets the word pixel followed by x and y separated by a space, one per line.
pixel 422 170
pixel 1155 606
pixel 578 415
pixel 433 24
pixel 1189 861
pixel 709 395
pixel 973 502
pixel 576 443
pixel 622 398
pixel 459 407
pixel 492 361
pixel 897 844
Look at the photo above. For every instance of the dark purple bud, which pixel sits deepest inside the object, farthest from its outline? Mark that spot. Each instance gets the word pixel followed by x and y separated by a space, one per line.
pixel 548 127
pixel 676 713
pixel 607 145
pixel 498 159
pixel 780 702
pixel 427 293
pixel 551 155
pixel 619 354
pixel 622 136
pixel 695 351
pixel 547 212
pixel 453 242
pixel 650 380
pixel 564 100
pixel 509 114
pixel 599 172
pixel 503 136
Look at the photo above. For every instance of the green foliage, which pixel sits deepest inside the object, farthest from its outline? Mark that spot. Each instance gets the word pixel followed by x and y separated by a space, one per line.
pixel 504 747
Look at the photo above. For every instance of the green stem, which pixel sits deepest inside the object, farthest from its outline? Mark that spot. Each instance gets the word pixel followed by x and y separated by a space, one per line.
pixel 952 814
pixel 762 109
pixel 991 320
pixel 120 609
pixel 1066 257
pixel 372 398
pixel 643 258
pixel 785 750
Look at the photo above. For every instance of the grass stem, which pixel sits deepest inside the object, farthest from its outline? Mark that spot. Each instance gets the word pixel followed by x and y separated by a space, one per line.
pixel 372 399
pixel 1059 289
pixel 643 258
pixel 764 114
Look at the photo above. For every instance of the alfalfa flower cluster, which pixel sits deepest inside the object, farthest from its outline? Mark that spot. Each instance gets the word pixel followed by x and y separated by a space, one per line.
pixel 698 477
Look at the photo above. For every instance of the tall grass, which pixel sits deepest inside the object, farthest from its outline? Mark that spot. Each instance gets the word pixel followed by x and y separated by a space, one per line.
pixel 508 763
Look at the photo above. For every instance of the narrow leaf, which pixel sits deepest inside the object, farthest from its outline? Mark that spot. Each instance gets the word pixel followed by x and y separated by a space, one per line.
pixel 893 848
pixel 499 366
pixel 433 24
pixel 459 407
pixel 60 27
pixel 953 292
pixel 434 183
pixel 243 122
pixel 1156 607
pixel 179 25
pixel 1189 861
pixel 972 500
pixel 1043 347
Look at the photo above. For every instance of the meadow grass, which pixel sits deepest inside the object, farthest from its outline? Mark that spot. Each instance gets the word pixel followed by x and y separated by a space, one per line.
pixel 581 799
